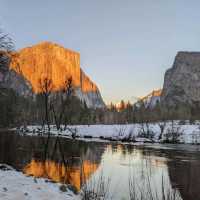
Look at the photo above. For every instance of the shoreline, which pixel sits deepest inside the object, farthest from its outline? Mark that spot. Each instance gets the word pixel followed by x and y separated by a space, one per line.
pixel 126 133
pixel 16 185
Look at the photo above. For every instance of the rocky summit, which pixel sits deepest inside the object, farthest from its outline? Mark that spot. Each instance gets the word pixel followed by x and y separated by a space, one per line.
pixel 182 81
pixel 49 60
pixel 152 99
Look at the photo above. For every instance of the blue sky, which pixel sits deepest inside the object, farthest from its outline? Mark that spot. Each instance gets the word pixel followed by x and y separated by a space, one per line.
pixel 125 45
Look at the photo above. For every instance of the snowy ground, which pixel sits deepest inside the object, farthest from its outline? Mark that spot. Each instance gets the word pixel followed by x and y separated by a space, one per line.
pixel 188 133
pixel 16 186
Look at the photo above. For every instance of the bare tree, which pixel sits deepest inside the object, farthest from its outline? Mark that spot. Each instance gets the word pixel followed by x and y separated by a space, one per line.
pixel 46 87
pixel 60 105
pixel 173 132
pixel 7 111
pixel 162 126
pixel 6 46
pixel 58 108
pixel 146 129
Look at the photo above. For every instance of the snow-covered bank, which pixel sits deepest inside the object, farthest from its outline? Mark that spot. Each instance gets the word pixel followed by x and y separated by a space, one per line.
pixel 184 132
pixel 15 185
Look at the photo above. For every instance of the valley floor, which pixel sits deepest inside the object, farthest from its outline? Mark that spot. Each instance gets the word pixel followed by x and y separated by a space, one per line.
pixel 182 132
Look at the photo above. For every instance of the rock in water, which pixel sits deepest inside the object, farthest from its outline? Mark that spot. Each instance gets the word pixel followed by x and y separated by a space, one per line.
pixel 182 81
pixel 49 60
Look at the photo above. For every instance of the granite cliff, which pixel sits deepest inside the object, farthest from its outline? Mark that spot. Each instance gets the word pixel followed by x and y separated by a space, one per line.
pixel 152 98
pixel 182 81
pixel 49 60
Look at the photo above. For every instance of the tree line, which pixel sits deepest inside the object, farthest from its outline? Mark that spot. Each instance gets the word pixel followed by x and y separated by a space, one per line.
pixel 63 107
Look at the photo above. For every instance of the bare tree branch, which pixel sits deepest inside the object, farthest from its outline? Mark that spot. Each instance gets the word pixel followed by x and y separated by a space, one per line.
pixel 6 47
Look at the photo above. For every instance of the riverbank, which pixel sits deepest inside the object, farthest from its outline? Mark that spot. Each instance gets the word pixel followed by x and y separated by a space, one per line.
pixel 15 185
pixel 171 132
pixel 114 161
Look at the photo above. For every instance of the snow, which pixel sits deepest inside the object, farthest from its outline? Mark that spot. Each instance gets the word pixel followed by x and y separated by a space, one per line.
pixel 15 185
pixel 190 133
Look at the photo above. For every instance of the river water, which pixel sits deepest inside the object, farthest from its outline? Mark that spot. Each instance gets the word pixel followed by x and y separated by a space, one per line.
pixel 120 167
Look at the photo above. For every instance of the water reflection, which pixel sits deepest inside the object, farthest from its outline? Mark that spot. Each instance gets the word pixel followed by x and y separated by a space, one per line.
pixel 27 154
pixel 83 161
pixel 185 175
pixel 58 172
pixel 125 163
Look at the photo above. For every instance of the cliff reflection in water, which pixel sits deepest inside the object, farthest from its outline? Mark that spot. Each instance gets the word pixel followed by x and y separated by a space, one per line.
pixel 58 172
pixel 26 154
pixel 184 174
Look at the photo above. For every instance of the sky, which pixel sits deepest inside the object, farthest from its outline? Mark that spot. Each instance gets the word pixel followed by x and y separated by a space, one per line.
pixel 125 45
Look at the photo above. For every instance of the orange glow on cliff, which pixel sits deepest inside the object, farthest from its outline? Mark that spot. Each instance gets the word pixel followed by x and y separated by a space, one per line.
pixel 155 93
pixel 57 172
pixel 49 60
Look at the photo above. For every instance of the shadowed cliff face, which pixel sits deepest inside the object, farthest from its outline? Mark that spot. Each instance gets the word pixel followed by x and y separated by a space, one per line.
pixel 49 60
pixel 182 81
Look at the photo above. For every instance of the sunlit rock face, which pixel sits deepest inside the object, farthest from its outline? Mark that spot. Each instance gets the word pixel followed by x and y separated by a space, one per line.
pixel 182 81
pixel 49 60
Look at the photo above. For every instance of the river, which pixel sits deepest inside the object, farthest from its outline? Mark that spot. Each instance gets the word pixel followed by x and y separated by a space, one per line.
pixel 119 166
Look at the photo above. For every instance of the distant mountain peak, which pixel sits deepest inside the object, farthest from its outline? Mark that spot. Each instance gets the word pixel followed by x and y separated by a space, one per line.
pixel 151 99
pixel 154 93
